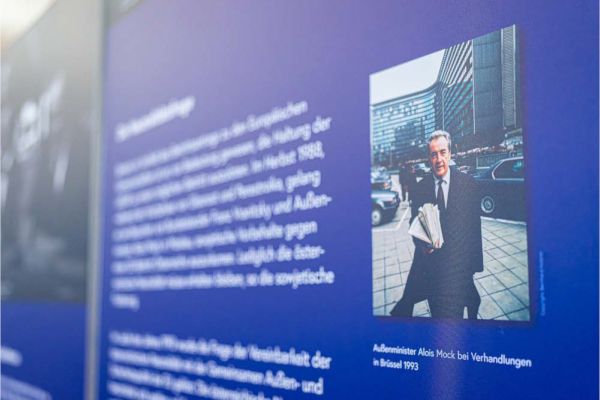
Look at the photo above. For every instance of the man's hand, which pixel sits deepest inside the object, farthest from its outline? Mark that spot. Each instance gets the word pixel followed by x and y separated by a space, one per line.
pixel 424 247
pixel 428 249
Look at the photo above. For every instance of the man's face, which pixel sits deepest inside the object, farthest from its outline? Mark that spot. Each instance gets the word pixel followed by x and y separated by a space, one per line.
pixel 439 156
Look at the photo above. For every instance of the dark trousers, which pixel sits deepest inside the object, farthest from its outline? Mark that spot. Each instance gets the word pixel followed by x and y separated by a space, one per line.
pixel 403 308
pixel 443 306
pixel 404 192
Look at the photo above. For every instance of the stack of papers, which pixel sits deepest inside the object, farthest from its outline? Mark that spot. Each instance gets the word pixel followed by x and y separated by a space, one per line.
pixel 427 227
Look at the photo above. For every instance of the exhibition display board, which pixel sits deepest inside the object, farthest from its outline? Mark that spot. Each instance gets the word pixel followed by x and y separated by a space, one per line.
pixel 301 200
pixel 350 200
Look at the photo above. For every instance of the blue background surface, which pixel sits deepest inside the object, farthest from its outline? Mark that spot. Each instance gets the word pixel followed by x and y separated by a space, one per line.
pixel 51 340
pixel 239 58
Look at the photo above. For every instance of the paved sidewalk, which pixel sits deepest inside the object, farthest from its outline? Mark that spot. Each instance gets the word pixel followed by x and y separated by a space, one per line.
pixel 503 285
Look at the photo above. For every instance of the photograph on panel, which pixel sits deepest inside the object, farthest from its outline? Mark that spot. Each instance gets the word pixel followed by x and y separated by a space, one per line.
pixel 448 198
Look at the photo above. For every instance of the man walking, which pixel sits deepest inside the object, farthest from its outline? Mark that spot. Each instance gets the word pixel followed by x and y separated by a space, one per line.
pixel 445 276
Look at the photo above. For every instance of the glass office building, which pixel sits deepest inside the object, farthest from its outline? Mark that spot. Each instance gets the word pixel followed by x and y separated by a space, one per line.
pixel 475 98
pixel 456 91
pixel 401 126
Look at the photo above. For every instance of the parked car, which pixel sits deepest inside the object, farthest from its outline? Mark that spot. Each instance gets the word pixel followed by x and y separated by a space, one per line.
pixel 466 169
pixel 379 170
pixel 380 179
pixel 502 189
pixel 420 170
pixel 384 204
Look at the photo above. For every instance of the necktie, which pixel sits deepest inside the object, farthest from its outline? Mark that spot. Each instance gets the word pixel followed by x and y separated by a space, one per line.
pixel 441 201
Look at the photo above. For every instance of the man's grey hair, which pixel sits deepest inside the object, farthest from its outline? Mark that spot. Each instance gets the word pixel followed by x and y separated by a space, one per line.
pixel 439 134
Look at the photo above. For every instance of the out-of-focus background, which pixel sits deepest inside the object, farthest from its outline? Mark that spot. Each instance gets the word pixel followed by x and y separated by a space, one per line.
pixel 17 16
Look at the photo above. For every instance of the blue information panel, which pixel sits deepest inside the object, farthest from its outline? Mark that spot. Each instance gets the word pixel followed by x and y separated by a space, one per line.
pixel 350 200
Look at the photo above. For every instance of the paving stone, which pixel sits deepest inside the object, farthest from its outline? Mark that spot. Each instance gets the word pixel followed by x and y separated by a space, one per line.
pixel 405 255
pixel 378 284
pixel 378 299
pixel 378 243
pixel 522 273
pixel 491 284
pixel 392 295
pixel 494 267
pixel 509 262
pixel 489 309
pixel 401 290
pixel 521 315
pixel 498 242
pixel 391 254
pixel 521 257
pixel 405 267
pixel 392 268
pixel 510 249
pixel 496 253
pixel 508 279
pixel 504 247
pixel 485 272
pixel 504 232
pixel 521 245
pixel 513 238
pixel 379 311
pixel 388 309
pixel 495 227
pixel 393 280
pixel 522 293
pixel 421 308
pixel 480 288
pixel 489 223
pixel 404 276
pixel 507 301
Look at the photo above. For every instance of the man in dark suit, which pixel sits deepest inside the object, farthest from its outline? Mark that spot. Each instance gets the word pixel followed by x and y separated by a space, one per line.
pixel 407 180
pixel 445 276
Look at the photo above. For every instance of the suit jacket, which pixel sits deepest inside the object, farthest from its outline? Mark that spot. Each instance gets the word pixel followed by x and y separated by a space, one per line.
pixel 448 272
